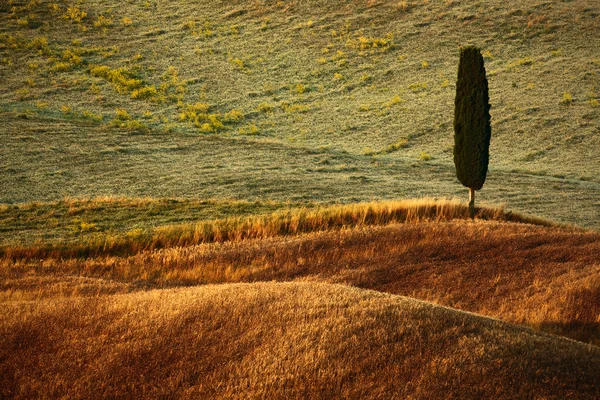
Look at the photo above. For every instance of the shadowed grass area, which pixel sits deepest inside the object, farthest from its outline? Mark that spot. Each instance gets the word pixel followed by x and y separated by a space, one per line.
pixel 292 221
pixel 273 340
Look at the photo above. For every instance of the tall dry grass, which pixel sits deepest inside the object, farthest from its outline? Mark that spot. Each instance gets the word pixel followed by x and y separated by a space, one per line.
pixel 543 277
pixel 282 223
pixel 270 340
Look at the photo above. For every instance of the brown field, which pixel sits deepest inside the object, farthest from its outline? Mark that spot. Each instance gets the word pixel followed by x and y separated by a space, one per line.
pixel 543 277
pixel 279 340
pixel 153 324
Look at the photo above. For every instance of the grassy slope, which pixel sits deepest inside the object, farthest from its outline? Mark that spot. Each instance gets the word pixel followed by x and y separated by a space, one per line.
pixel 73 221
pixel 111 226
pixel 313 339
pixel 355 133
pixel 322 115
pixel 273 340
pixel 543 277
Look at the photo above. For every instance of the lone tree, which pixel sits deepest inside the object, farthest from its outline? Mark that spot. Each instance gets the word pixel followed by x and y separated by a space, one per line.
pixel 472 130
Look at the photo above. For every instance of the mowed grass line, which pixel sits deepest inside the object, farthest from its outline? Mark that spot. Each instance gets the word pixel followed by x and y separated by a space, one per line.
pixel 279 340
pixel 280 223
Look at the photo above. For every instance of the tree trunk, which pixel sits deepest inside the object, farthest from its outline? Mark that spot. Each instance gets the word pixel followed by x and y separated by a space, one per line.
pixel 472 202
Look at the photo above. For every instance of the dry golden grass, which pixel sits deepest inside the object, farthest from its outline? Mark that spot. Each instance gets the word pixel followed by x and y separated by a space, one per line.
pixel 543 277
pixel 279 340
pixel 290 221
pixel 280 325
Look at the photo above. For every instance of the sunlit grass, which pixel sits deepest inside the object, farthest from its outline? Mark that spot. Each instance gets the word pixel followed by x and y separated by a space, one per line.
pixel 279 111
pixel 279 341
pixel 280 223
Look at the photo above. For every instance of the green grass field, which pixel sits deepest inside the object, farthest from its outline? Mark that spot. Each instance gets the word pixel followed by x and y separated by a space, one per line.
pixel 291 101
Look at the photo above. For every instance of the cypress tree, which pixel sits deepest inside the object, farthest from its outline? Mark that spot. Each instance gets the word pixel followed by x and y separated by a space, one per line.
pixel 472 130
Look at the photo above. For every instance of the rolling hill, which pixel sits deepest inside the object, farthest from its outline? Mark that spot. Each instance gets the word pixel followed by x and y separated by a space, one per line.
pixel 208 200
pixel 279 340
pixel 322 313
pixel 545 277
pixel 296 100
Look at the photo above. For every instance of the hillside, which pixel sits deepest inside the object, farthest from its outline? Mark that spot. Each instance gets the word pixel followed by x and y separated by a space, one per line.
pixel 257 199
pixel 292 340
pixel 305 324
pixel 544 277
pixel 296 100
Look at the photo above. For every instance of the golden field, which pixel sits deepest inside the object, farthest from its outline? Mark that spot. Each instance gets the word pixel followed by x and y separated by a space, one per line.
pixel 348 311
pixel 214 199
pixel 279 340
